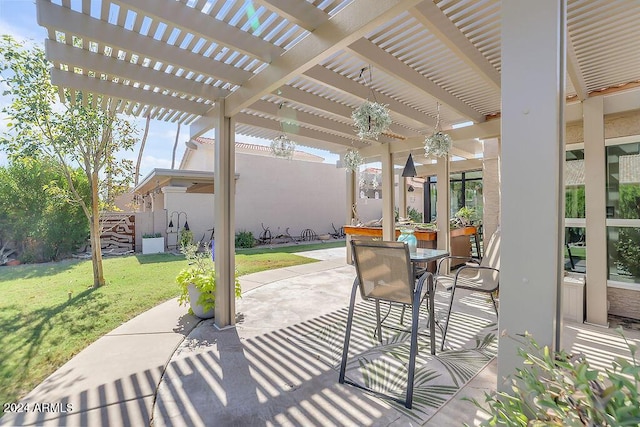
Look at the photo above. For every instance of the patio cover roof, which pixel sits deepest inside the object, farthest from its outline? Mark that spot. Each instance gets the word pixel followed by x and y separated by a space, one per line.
pixel 298 61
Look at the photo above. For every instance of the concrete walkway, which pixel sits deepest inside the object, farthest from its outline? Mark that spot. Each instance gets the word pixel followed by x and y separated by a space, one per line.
pixel 141 373
pixel 113 382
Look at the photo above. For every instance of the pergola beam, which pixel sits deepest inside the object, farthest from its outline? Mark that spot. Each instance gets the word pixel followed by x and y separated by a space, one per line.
pixel 344 84
pixel 115 90
pixel 290 115
pixel 380 58
pixel 355 21
pixel 265 123
pixel 325 105
pixel 574 72
pixel 459 166
pixel 62 53
pixel 301 13
pixel 86 27
pixel 488 129
pixel 207 27
pixel 432 17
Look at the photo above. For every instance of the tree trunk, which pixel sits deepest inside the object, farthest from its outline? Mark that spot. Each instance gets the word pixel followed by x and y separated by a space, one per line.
pixel 96 248
pixel 175 145
pixel 144 141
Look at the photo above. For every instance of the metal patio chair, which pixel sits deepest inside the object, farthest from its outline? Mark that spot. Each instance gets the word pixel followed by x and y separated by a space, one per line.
pixel 482 277
pixel 384 273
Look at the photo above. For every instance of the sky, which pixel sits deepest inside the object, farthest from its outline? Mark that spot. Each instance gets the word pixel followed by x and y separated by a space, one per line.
pixel 18 18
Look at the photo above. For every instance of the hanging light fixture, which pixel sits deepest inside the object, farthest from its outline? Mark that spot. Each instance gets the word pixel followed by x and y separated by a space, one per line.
pixel 371 118
pixel 281 145
pixel 409 168
pixel 439 143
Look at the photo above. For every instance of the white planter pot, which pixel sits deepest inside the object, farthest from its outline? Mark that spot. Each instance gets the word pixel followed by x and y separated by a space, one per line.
pixel 194 295
pixel 152 245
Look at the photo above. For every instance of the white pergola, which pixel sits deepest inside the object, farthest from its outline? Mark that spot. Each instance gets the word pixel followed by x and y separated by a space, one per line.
pixel 517 69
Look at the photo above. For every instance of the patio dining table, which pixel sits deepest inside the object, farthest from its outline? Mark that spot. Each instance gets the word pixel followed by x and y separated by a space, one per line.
pixel 424 256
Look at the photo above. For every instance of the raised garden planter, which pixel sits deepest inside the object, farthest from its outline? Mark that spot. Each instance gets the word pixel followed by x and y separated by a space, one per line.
pixel 152 245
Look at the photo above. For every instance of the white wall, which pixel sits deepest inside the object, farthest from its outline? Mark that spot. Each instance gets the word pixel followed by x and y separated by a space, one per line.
pixel 199 213
pixel 286 193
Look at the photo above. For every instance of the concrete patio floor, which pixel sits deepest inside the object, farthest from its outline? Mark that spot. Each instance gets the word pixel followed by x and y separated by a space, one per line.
pixel 130 376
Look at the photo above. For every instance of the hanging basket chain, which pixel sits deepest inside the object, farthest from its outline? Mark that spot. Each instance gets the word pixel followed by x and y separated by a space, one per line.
pixel 439 143
pixel 371 118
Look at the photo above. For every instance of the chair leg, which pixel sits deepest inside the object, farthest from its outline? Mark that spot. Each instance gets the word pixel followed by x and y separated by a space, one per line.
pixel 495 306
pixel 379 322
pixel 446 326
pixel 413 352
pixel 347 334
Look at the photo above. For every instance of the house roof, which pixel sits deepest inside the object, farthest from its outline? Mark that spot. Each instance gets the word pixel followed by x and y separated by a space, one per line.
pixel 194 181
pixel 306 65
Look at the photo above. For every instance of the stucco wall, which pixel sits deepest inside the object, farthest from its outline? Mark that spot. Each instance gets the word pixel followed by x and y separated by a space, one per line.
pixel 615 125
pixel 198 209
pixel 283 193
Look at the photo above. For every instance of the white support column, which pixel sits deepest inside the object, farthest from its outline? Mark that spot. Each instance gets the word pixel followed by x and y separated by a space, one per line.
pixel 532 223
pixel 351 202
pixel 490 187
pixel 224 220
pixel 595 204
pixel 443 203
pixel 402 196
pixel 388 190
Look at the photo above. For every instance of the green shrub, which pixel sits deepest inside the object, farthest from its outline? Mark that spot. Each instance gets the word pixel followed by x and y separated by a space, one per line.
pixel 34 214
pixel 414 215
pixel 186 238
pixel 245 239
pixel 561 389
pixel 151 235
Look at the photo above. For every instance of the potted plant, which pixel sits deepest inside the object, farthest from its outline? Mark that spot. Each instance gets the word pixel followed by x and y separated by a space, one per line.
pixel 152 243
pixel 197 282
pixel 465 216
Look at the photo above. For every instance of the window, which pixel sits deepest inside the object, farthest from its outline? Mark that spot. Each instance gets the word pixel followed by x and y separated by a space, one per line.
pixel 466 190
pixel 575 252
pixel 623 212
pixel 574 184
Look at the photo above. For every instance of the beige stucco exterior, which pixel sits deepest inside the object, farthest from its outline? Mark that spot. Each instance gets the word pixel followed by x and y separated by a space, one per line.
pixel 298 194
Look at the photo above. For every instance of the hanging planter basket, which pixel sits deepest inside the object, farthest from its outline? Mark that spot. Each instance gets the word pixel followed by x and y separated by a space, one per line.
pixel 282 146
pixel 371 119
pixel 438 144
pixel 353 160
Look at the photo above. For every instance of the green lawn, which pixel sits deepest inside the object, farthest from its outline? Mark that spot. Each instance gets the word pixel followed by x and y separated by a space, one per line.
pixel 49 312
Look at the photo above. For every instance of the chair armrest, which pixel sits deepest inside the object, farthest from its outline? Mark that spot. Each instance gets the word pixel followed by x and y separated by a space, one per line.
pixel 475 267
pixel 472 267
pixel 440 261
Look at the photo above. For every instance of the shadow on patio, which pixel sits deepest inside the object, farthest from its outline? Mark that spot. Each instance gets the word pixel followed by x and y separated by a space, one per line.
pixel 279 365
